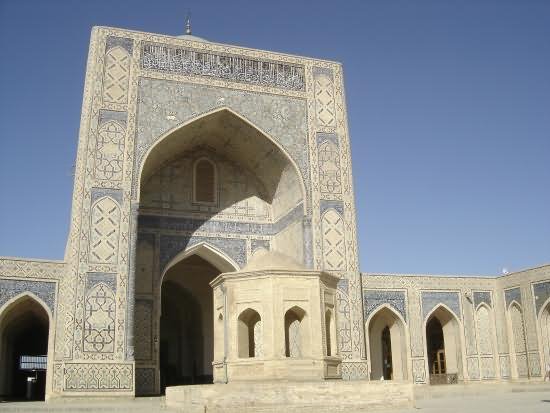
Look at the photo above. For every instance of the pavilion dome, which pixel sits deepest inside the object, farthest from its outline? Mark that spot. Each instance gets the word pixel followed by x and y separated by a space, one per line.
pixel 272 260
pixel 192 38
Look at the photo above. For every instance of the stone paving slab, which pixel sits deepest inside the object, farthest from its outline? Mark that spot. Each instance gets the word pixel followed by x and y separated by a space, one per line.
pixel 474 398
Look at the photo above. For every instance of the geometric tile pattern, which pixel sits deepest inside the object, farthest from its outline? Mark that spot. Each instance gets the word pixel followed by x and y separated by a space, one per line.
pixel 431 299
pixel 117 75
pixel 484 331
pixel 104 377
pixel 329 168
pixel 104 232
pixel 145 381
pixel 109 156
pixel 324 100
pixel 334 246
pixel 45 290
pixel 372 299
pixel 99 323
pixel 143 336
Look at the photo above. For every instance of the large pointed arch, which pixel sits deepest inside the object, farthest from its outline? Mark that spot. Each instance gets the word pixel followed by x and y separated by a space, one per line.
pixel 180 139
pixel 396 364
pixel 16 312
pixel 453 338
pixel 209 253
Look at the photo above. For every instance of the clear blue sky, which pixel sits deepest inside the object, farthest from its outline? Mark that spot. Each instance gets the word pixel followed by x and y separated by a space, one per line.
pixel 448 103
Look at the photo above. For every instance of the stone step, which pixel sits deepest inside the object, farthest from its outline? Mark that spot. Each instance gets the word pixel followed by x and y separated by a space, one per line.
pixel 138 405
pixel 295 396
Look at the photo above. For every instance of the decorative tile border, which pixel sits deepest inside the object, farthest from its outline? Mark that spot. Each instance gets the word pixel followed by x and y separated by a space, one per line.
pixel 188 61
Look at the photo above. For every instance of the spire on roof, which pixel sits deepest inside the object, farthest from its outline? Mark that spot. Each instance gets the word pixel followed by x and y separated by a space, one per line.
pixel 188 24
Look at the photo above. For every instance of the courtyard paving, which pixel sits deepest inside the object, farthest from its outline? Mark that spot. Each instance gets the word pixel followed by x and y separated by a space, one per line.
pixel 532 398
pixel 525 402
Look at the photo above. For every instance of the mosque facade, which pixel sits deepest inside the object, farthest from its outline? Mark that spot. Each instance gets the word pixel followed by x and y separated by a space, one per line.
pixel 213 240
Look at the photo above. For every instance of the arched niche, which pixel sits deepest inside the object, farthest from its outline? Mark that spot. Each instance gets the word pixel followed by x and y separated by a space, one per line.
pixel 226 133
pixel 544 322
pixel 387 343
pixel 518 340
pixel 486 341
pixel 256 182
pixel 443 345
pixel 249 334
pixel 330 333
pixel 25 326
pixel 296 334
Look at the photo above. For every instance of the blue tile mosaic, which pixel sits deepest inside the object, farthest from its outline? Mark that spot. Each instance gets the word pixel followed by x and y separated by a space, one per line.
pixel 97 193
pixel 331 137
pixel 259 243
pixel 482 297
pixel 431 299
pixel 45 290
pixel 125 43
pixel 513 294
pixel 328 204
pixel 167 223
pixel 372 299
pixel 542 293
pixel 343 285
pixel 107 115
pixel 283 118
pixel 94 278
pixel 172 245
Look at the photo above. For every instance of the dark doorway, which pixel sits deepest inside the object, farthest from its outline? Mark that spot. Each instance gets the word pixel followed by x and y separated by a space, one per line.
pixel 24 332
pixel 436 347
pixel 186 324
pixel 387 366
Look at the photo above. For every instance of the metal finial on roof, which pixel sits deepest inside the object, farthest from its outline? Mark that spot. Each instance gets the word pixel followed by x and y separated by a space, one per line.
pixel 188 24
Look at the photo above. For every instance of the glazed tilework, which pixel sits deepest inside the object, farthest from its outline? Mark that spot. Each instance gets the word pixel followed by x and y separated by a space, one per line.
pixel 45 290
pixel 187 61
pixel 513 294
pixel 431 299
pixel 282 118
pixel 95 278
pixel 482 297
pixel 542 294
pixel 372 299
pixel 172 245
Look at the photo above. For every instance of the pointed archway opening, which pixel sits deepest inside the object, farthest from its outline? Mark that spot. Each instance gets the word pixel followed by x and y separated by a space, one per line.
pixel 24 330
pixel 218 184
pixel 387 345
pixel 443 347
pixel 186 344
